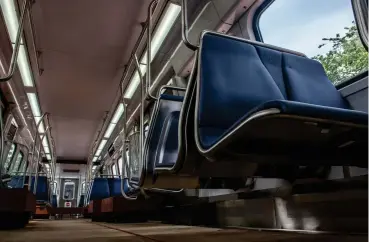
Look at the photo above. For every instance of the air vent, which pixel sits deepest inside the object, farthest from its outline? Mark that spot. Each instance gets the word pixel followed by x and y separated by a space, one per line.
pixel 70 170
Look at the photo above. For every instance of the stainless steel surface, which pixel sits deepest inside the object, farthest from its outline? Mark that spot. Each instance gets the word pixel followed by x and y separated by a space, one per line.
pixel 185 27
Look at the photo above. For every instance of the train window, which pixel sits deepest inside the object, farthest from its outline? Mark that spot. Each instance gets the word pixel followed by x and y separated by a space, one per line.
pixel 120 165
pixel 9 158
pixel 68 193
pixel 18 162
pixel 323 30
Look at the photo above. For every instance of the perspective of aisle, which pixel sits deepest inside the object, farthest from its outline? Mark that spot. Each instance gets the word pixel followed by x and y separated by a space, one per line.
pixel 82 230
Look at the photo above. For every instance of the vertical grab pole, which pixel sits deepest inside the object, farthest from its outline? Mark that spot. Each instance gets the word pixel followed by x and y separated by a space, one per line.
pixel 35 138
pixel 17 45
pixel 124 167
pixel 148 60
pixel 142 112
pixel 185 27
pixel 38 157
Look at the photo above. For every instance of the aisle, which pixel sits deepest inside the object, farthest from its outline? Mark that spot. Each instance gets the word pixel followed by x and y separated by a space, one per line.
pixel 84 230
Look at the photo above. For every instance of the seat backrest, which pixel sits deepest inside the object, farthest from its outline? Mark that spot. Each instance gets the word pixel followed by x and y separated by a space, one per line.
pixel 100 189
pixel 114 187
pixel 16 182
pixel 54 201
pixel 165 107
pixel 42 191
pixel 236 76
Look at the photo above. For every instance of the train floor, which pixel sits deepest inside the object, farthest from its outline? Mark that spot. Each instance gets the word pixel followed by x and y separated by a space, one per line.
pixel 85 230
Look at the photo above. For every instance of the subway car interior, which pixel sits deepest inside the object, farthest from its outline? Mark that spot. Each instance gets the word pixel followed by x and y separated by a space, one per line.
pixel 184 120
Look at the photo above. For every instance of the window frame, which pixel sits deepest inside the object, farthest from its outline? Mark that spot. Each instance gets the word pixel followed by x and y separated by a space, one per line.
pixel 9 165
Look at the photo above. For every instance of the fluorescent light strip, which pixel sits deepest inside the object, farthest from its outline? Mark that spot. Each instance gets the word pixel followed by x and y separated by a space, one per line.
pixel 48 157
pixel 160 34
pixel 45 142
pixel 118 113
pixel 94 159
pixel 98 152
pixel 41 128
pixel 102 144
pixel 32 98
pixel 109 130
pixel 46 149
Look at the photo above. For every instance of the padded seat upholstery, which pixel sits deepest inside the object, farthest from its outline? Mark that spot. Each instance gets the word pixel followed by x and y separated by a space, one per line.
pixel 242 84
pixel 114 187
pixel 161 148
pixel 16 182
pixel 100 189
pixel 54 201
pixel 42 190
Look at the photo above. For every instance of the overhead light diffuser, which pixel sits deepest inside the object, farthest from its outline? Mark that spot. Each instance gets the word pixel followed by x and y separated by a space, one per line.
pixel 118 113
pixel 102 144
pixel 160 34
pixel 98 152
pixel 47 150
pixel 24 67
pixel 109 130
pixel 32 98
pixel 48 157
pixel 94 159
pixel 41 128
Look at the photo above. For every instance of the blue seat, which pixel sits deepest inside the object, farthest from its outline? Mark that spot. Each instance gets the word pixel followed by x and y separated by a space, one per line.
pixel 256 99
pixel 100 189
pixel 114 187
pixel 16 182
pixel 161 147
pixel 42 190
pixel 54 201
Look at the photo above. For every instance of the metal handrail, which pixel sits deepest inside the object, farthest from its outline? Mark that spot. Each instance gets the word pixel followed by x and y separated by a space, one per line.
pixel 35 138
pixel 148 60
pixel 38 158
pixel 17 45
pixel 185 27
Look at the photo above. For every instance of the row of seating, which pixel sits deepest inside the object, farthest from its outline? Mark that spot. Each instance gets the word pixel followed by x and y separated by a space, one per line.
pixel 104 188
pixel 42 190
pixel 251 103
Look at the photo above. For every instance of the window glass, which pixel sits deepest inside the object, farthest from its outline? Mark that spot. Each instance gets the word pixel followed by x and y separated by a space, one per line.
pixel 322 30
pixel 9 157
pixel 18 162
pixel 68 193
